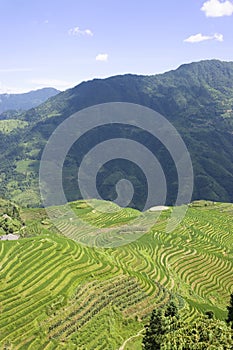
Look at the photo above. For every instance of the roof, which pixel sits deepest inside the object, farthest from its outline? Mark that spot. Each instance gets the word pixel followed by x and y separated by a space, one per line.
pixel 159 208
pixel 9 237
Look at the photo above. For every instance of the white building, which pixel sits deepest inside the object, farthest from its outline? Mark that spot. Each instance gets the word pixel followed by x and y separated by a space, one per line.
pixel 9 237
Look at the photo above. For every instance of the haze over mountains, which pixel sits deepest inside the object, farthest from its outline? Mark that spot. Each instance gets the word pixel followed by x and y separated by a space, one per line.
pixel 25 101
pixel 196 98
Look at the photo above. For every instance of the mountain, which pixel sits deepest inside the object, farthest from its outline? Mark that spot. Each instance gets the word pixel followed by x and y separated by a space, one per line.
pixel 196 98
pixel 25 101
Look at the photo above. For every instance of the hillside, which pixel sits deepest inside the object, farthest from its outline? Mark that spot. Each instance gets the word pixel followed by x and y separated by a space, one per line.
pixel 58 294
pixel 196 98
pixel 22 102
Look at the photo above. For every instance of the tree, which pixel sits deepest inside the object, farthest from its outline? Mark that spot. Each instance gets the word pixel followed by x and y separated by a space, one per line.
pixel 230 311
pixel 209 314
pixel 161 322
pixel 154 331
pixel 167 331
pixel 171 310
pixel 203 333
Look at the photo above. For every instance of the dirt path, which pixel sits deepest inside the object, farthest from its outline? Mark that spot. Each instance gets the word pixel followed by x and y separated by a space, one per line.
pixel 127 340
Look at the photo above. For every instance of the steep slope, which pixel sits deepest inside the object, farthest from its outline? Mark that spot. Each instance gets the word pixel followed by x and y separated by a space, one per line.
pixel 56 293
pixel 196 98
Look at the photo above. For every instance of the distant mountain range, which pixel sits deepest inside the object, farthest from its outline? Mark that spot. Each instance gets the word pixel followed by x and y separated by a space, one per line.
pixel 19 102
pixel 196 98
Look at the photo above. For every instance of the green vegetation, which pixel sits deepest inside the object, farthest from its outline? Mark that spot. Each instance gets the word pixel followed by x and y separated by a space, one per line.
pixel 26 166
pixel 7 126
pixel 10 221
pixel 167 331
pixel 23 222
pixel 197 99
pixel 230 311
pixel 162 322
pixel 59 288
pixel 58 294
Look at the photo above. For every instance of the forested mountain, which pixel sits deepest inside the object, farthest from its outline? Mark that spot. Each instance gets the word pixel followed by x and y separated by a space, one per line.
pixel 196 98
pixel 26 100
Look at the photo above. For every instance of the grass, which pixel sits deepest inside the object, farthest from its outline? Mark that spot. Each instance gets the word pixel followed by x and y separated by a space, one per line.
pixel 7 126
pixel 56 293
pixel 26 166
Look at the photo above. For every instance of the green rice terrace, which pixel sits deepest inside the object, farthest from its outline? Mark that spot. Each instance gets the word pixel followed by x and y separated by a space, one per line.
pixel 56 293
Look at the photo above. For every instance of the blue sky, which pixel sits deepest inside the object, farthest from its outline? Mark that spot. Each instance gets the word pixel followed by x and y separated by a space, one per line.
pixel 61 43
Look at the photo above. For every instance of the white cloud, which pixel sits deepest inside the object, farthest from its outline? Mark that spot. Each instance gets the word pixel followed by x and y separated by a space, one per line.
pixel 217 8
pixel 77 31
pixel 197 38
pixel 88 32
pixel 218 37
pixel 103 57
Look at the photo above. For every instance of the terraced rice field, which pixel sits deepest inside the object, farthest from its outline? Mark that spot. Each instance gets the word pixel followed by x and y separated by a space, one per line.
pixel 56 293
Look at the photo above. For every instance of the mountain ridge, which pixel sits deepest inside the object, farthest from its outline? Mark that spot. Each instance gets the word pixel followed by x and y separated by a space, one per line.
pixel 196 98
pixel 27 100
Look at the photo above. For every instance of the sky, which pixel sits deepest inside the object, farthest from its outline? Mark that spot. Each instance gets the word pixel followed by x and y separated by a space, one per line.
pixel 60 43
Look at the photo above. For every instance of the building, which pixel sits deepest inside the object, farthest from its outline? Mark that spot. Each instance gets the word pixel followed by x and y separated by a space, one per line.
pixel 9 237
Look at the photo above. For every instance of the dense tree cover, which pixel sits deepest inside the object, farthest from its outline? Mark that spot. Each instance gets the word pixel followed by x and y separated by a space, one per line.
pixel 197 98
pixel 166 331
pixel 162 321
pixel 230 311
pixel 204 333
pixel 10 220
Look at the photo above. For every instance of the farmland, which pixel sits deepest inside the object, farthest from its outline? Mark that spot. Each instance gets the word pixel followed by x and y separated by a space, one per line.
pixel 56 293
